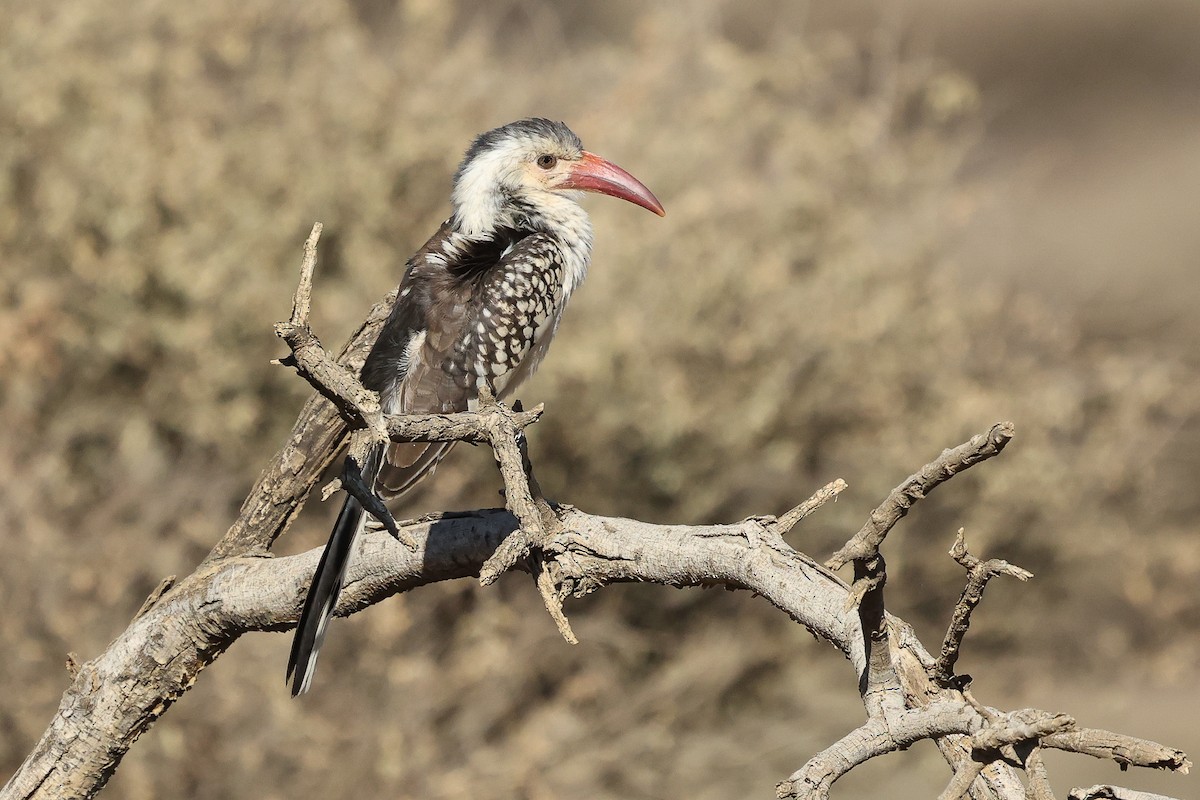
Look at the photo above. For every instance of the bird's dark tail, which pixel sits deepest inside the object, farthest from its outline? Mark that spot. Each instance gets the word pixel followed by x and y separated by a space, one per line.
pixel 326 586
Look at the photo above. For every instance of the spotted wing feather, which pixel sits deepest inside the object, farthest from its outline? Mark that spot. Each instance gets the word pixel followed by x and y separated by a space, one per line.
pixel 481 323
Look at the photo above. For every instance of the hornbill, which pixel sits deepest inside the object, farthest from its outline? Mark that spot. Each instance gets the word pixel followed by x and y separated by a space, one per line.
pixel 477 306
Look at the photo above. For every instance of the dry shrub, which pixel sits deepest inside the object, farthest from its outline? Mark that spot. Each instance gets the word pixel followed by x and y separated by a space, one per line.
pixel 791 321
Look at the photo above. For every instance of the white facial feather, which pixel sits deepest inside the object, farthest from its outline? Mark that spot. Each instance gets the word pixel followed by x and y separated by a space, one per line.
pixel 479 191
pixel 493 177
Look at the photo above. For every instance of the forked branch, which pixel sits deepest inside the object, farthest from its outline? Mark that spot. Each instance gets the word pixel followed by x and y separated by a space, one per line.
pixel 978 574
pixel 187 624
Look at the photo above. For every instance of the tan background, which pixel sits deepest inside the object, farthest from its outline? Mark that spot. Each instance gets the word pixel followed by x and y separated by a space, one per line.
pixel 889 226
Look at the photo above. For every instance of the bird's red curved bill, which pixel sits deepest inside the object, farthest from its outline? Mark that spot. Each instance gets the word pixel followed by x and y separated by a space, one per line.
pixel 593 174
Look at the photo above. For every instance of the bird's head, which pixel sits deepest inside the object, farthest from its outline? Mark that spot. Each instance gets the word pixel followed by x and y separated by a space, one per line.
pixel 533 170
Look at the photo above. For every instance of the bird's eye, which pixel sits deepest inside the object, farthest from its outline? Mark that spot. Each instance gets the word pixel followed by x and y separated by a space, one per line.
pixel 546 161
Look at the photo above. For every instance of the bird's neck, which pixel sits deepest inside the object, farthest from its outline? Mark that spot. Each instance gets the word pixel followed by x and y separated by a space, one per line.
pixel 551 213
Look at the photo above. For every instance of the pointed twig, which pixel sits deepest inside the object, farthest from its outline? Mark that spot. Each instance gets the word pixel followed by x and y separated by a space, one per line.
pixel 156 594
pixel 828 492
pixel 357 404
pixel 551 598
pixel 978 574
pixel 302 299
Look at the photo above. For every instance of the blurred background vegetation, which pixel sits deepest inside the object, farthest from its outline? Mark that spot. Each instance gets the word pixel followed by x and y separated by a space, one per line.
pixel 889 226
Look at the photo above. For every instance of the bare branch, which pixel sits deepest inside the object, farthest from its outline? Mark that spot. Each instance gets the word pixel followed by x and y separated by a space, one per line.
pixel 874 738
pixel 960 782
pixel 1105 792
pixel 1128 751
pixel 1019 726
pixel 103 712
pixel 1039 779
pixel 879 682
pixel 464 426
pixel 358 404
pixel 828 492
pixel 101 715
pixel 993 742
pixel 181 629
pixel 866 543
pixel 978 575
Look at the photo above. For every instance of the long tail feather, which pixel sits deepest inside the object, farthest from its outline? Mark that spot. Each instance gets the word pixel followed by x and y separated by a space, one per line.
pixel 326 586
pixel 322 597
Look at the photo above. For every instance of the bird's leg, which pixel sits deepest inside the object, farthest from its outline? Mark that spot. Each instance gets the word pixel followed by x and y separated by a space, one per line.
pixel 363 455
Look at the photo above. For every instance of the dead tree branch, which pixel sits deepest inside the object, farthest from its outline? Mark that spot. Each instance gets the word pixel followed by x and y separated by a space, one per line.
pixel 1103 792
pixel 828 492
pixel 1128 751
pixel 868 540
pixel 186 624
pixel 978 574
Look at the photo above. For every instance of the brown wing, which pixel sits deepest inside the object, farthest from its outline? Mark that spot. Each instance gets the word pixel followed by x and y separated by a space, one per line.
pixel 403 366
pixel 469 313
pixel 430 386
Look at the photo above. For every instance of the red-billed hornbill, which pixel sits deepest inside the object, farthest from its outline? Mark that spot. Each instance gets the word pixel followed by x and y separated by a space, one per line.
pixel 477 306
